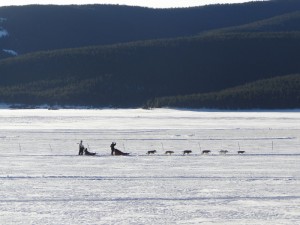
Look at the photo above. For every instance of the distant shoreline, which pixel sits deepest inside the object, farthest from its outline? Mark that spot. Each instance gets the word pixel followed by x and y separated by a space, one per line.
pixel 57 107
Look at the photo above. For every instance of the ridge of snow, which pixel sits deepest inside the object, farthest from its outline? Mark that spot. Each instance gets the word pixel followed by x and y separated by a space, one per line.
pixel 11 52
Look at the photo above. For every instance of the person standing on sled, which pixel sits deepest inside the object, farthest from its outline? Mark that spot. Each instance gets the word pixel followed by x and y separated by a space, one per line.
pixel 81 148
pixel 112 147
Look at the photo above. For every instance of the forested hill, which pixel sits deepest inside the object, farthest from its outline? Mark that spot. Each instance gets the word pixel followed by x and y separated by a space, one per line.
pixel 198 60
pixel 130 74
pixel 25 29
pixel 276 93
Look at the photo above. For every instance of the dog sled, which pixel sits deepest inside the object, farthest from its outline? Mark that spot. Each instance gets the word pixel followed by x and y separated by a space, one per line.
pixel 86 152
pixel 118 152
pixel 115 151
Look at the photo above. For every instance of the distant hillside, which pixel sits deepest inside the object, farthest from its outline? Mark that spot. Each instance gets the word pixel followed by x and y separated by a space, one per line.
pixel 26 29
pixel 284 23
pixel 275 93
pixel 168 52
pixel 130 74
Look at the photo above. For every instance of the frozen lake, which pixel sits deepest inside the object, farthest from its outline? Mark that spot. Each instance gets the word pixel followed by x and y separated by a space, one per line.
pixel 44 181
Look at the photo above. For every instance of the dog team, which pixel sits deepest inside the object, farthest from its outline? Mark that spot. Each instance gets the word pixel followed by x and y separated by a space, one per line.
pixel 190 151
pixel 114 151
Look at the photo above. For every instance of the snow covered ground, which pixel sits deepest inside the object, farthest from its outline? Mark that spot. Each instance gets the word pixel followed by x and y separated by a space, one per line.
pixel 44 181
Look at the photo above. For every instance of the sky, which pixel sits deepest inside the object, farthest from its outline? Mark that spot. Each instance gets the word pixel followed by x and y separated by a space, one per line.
pixel 146 3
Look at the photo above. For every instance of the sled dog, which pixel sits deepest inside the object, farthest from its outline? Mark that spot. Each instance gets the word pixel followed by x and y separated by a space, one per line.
pixel 187 152
pixel 205 151
pixel 169 152
pixel 151 152
pixel 223 152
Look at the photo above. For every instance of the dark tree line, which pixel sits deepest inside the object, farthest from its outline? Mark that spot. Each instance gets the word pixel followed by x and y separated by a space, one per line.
pixel 275 93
